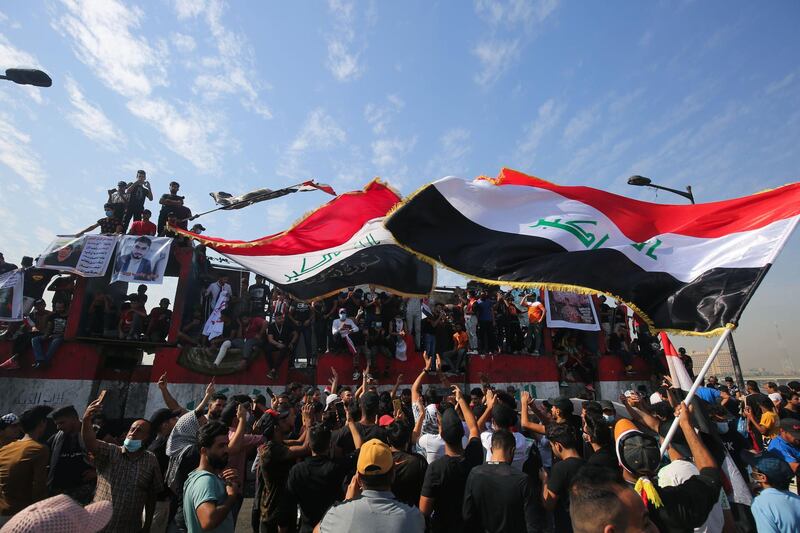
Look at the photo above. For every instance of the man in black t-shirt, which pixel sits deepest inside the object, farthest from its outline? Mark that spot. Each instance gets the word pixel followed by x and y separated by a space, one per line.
pixel 168 201
pixel 442 493
pixel 601 441
pixel 300 317
pixel 497 494
pixel 137 192
pixel 409 468
pixel 555 494
pixel 258 293
pixel 70 472
pixel 317 482
pixel 367 427
pixel 281 340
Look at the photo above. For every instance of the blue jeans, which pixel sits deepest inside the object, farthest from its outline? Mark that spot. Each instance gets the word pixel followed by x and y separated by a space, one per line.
pixel 38 348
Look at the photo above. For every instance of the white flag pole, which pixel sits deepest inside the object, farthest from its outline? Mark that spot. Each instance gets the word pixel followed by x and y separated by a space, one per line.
pixel 698 380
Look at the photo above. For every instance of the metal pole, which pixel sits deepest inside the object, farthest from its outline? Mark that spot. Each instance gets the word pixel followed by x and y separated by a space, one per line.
pixel 698 380
pixel 737 369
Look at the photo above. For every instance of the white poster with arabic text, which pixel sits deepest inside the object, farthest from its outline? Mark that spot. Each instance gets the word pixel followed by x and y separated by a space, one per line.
pixel 87 255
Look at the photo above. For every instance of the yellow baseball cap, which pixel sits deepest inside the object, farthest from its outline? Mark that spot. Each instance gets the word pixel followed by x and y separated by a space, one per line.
pixel 375 458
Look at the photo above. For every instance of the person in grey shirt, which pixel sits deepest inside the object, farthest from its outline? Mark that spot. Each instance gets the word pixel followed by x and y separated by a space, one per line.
pixel 370 506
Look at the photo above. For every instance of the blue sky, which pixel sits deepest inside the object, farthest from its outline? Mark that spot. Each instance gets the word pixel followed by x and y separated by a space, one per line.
pixel 239 95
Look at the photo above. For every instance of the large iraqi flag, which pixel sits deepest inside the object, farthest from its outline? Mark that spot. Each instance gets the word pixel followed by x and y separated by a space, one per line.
pixel 341 244
pixel 690 268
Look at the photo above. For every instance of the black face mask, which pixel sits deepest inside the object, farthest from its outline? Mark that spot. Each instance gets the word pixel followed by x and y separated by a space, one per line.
pixel 218 463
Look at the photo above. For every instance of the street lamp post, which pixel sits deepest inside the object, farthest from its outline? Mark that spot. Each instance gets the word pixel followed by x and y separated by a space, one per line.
pixel 27 76
pixel 641 181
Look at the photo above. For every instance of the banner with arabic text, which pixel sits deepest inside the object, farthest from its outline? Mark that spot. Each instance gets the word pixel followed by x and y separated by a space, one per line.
pixel 87 255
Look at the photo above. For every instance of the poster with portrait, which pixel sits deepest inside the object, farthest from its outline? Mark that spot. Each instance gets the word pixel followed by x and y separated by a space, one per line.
pixel 141 259
pixel 87 255
pixel 11 285
pixel 570 310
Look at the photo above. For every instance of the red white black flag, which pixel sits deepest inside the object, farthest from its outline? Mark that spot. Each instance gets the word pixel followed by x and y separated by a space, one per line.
pixel 340 245
pixel 229 201
pixel 681 267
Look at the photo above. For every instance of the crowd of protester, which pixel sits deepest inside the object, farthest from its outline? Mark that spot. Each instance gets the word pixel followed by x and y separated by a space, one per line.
pixel 430 458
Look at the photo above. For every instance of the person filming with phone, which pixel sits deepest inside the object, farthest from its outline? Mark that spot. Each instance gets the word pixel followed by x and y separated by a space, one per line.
pixel 127 475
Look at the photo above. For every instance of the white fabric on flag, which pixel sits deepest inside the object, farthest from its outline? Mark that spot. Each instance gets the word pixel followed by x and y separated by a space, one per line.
pixel 741 494
pixel 677 371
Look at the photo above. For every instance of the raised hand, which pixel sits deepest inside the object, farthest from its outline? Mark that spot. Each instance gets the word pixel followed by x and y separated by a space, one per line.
pixel 399 379
pixel 334 373
pixel 307 417
pixel 210 390
pixel 162 381
pixel 438 363
pixel 525 398
pixel 457 393
pixel 426 359
pixel 490 398
pixel 93 408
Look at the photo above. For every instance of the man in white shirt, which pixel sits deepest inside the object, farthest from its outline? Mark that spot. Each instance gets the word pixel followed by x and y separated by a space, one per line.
pixel 342 328
pixel 218 287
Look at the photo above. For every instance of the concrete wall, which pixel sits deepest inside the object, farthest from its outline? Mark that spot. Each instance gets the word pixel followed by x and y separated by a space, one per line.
pixel 19 394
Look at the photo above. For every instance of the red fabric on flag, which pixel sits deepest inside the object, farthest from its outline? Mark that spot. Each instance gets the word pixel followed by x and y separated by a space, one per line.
pixel 329 226
pixel 642 220
pixel 319 186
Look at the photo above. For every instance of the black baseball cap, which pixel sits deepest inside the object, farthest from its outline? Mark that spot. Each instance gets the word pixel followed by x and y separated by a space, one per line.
pixel 562 403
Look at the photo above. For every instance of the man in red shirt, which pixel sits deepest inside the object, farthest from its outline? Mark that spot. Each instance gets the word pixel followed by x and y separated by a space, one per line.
pixel 159 321
pixel 144 226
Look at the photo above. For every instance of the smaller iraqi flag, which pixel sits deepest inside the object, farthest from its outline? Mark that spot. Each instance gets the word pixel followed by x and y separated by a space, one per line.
pixel 342 244
pixel 677 370
pixel 229 201
pixel 690 268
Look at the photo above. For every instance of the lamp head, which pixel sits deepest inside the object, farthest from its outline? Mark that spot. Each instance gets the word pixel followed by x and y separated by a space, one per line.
pixel 25 76
pixel 639 181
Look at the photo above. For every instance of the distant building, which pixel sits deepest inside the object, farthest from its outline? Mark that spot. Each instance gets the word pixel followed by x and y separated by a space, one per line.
pixel 721 367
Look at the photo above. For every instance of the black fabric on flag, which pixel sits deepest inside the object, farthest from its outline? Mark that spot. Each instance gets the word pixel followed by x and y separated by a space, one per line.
pixel 387 266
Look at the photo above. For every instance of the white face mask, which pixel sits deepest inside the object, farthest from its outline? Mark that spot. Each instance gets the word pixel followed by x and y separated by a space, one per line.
pixel 722 427
pixel 343 316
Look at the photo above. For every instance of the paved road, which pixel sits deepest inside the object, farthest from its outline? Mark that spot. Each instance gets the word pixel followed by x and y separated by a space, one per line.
pixel 243 524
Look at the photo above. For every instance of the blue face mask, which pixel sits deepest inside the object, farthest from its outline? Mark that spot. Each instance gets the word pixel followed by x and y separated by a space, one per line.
pixel 132 445
pixel 609 418
pixel 109 213
pixel 722 427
